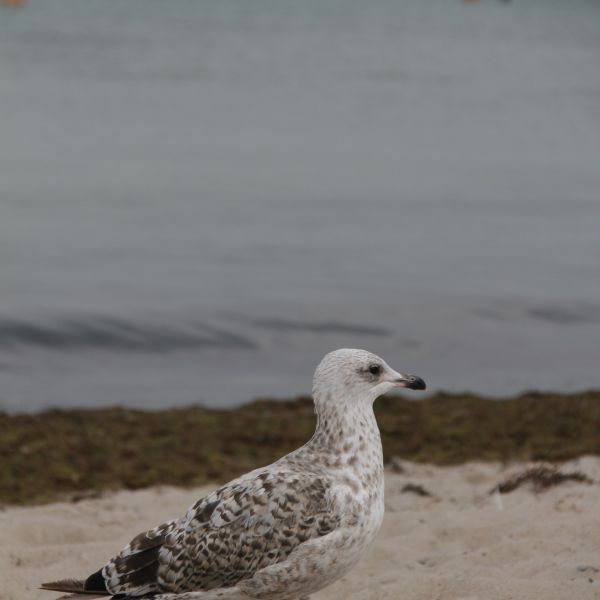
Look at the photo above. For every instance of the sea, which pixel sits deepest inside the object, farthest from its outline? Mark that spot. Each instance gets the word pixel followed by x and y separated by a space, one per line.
pixel 200 198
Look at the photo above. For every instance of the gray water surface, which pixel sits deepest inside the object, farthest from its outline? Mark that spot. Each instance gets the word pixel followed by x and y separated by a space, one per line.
pixel 198 199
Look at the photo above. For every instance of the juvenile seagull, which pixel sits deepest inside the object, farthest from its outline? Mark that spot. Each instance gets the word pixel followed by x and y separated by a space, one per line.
pixel 280 532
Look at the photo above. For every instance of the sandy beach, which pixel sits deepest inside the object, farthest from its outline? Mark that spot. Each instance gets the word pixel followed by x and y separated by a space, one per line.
pixel 461 542
pixel 201 201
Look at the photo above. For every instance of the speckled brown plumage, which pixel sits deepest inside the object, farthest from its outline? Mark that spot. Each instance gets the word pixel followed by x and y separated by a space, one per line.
pixel 228 536
pixel 286 530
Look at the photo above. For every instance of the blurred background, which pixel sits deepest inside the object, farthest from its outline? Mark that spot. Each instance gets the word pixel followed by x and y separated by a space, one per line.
pixel 200 198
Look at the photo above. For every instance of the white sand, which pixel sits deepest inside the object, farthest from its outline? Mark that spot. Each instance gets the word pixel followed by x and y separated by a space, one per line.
pixel 461 544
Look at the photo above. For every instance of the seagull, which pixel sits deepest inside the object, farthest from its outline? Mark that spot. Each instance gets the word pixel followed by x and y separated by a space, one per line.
pixel 280 532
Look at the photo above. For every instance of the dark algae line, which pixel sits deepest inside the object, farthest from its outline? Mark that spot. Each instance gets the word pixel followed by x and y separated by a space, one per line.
pixel 61 454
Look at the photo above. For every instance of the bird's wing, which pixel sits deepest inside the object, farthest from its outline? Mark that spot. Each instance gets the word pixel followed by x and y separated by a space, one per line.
pixel 253 522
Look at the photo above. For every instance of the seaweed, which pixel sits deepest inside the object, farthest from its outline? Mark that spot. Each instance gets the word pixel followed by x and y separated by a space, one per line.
pixel 68 453
pixel 415 488
pixel 541 477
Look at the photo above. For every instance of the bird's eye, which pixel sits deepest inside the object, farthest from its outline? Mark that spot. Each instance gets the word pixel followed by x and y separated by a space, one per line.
pixel 375 370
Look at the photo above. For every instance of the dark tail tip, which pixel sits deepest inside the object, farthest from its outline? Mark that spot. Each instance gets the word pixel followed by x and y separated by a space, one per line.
pixel 95 583
pixel 64 585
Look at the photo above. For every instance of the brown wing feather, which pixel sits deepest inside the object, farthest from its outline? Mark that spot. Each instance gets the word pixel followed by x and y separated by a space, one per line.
pixel 136 567
pixel 228 536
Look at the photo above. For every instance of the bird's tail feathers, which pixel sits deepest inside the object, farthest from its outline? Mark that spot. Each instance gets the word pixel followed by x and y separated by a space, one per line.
pixel 82 596
pixel 64 585
pixel 75 587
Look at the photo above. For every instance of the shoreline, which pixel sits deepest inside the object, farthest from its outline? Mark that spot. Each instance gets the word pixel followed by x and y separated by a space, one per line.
pixel 63 454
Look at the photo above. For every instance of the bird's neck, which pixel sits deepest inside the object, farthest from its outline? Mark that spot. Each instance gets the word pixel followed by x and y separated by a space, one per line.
pixel 348 432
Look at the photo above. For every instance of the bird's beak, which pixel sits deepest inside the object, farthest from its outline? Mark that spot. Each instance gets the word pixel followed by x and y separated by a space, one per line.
pixel 412 382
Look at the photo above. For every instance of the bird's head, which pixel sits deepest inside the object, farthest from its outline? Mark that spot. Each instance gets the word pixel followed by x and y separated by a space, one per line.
pixel 358 375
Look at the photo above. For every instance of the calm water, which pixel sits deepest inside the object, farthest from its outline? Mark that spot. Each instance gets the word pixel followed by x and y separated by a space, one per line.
pixel 198 199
